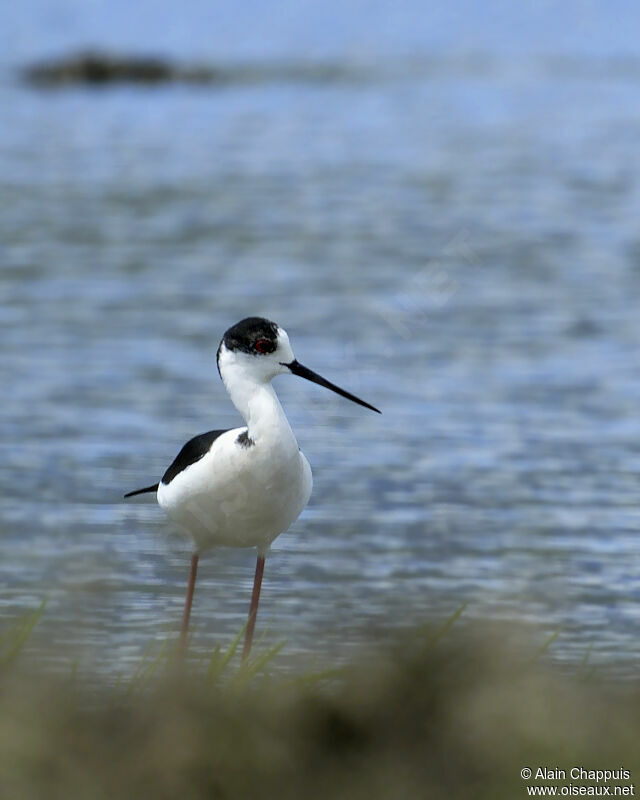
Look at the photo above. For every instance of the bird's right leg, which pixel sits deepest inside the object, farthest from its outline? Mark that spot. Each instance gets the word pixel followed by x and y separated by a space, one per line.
pixel 191 585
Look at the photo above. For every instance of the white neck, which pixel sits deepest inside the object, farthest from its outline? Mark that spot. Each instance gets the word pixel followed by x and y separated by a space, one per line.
pixel 259 406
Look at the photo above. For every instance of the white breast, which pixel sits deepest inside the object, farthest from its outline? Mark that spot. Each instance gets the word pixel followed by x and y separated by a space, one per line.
pixel 239 496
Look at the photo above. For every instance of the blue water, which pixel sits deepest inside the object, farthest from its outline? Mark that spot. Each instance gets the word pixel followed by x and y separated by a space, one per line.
pixel 450 231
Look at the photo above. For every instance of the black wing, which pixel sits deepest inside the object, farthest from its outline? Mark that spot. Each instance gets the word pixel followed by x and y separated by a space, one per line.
pixel 193 451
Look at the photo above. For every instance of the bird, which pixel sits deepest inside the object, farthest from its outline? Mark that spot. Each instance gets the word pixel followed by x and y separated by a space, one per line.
pixel 242 487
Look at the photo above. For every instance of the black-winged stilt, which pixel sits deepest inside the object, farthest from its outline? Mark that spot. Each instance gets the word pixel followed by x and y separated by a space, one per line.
pixel 245 486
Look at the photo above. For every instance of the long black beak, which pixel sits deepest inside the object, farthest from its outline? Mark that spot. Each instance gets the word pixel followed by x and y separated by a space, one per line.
pixel 297 369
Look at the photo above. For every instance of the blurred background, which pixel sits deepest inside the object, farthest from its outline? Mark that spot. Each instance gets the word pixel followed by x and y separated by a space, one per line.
pixel 439 201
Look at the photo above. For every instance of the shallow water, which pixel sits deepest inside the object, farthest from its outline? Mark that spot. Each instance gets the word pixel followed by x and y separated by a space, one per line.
pixel 452 236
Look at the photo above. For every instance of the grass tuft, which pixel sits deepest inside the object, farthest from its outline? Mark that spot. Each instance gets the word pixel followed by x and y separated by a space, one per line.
pixel 449 711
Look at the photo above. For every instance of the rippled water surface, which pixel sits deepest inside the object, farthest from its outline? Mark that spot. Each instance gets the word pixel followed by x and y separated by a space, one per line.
pixel 449 230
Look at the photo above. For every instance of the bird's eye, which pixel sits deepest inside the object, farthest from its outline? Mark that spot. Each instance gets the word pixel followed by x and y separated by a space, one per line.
pixel 264 346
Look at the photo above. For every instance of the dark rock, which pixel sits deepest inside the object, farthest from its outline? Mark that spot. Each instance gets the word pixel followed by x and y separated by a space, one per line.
pixel 95 68
pixel 100 68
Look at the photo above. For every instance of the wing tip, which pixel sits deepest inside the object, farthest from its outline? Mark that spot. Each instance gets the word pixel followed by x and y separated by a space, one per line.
pixel 153 488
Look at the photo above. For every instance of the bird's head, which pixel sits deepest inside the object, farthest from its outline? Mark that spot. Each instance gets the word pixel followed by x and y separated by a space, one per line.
pixel 257 349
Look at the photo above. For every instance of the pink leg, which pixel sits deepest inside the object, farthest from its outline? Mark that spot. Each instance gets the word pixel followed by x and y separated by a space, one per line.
pixel 191 585
pixel 253 609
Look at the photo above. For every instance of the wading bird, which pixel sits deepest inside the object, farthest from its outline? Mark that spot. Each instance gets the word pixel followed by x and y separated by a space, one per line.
pixel 245 486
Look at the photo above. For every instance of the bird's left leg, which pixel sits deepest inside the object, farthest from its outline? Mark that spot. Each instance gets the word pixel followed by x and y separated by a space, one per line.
pixel 253 608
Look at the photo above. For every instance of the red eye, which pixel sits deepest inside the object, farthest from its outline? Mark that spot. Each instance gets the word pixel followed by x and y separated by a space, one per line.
pixel 264 346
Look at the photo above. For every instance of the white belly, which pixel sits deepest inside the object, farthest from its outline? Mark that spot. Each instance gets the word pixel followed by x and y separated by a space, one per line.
pixel 239 496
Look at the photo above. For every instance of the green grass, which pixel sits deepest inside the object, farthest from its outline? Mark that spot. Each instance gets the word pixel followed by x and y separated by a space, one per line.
pixel 448 711
pixel 16 635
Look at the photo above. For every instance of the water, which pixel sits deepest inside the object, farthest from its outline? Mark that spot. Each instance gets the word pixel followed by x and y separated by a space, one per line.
pixel 451 235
